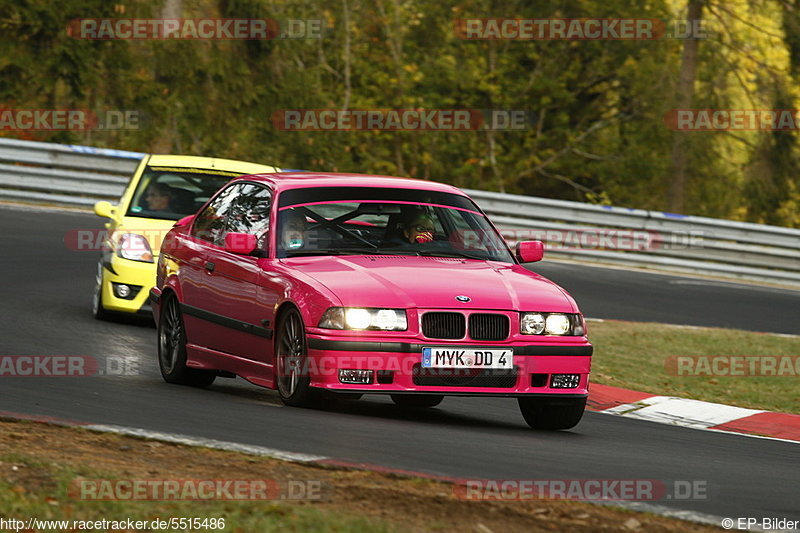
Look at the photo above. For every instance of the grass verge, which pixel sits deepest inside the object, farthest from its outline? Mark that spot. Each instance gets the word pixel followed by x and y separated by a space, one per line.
pixel 40 463
pixel 635 355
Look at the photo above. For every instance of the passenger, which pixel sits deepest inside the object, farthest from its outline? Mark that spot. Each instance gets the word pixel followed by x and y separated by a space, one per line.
pixel 293 228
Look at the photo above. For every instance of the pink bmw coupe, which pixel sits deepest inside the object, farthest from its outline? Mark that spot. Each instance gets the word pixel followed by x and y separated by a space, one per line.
pixel 327 285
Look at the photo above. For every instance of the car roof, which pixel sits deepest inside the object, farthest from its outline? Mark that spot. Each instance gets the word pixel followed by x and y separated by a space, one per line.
pixel 299 180
pixel 191 161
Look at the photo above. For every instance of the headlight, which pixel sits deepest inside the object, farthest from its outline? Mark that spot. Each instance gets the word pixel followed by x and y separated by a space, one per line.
pixel 531 324
pixel 551 324
pixel 134 247
pixel 556 324
pixel 363 318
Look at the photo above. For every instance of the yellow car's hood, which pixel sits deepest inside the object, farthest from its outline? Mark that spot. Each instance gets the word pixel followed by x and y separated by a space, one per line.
pixel 154 230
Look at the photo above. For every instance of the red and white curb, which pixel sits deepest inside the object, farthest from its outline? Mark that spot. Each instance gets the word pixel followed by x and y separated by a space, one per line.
pixel 693 413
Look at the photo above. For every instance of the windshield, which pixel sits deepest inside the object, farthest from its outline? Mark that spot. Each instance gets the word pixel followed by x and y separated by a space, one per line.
pixel 171 193
pixel 449 226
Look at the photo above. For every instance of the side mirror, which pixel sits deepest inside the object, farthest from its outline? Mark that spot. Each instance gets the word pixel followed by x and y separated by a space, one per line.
pixel 530 251
pixel 185 221
pixel 104 209
pixel 240 243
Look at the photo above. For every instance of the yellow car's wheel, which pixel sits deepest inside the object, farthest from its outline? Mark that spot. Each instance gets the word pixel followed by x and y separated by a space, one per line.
pixel 98 310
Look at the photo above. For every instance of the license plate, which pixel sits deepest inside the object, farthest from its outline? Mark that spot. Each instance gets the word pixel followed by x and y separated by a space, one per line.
pixel 450 357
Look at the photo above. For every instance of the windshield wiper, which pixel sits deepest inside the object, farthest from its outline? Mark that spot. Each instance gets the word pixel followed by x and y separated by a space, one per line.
pixel 353 251
pixel 450 253
pixel 337 251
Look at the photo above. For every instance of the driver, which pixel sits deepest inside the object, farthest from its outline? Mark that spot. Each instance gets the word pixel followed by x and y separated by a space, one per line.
pixel 418 228
pixel 158 197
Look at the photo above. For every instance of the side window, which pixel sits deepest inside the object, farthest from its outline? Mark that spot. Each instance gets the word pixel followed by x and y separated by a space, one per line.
pixel 249 213
pixel 210 223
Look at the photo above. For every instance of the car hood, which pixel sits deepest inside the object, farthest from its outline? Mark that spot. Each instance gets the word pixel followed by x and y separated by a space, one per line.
pixel 433 282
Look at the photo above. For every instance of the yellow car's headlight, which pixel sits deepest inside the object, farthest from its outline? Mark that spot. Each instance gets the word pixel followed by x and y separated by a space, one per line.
pixel 134 247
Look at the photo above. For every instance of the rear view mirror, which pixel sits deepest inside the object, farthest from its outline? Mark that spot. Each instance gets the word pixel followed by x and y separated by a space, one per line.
pixel 530 251
pixel 240 243
pixel 104 209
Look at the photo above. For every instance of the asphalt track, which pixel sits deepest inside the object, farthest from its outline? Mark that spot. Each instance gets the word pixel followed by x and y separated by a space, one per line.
pixel 45 295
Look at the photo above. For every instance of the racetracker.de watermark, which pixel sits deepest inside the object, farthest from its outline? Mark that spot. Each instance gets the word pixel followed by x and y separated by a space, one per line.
pixel 69 119
pixel 195 489
pixel 581 489
pixel 733 365
pixel 732 119
pixel 402 119
pixel 202 29
pixel 590 239
pixel 49 366
pixel 578 29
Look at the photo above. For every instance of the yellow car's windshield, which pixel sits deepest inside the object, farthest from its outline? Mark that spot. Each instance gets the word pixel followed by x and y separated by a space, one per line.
pixel 171 193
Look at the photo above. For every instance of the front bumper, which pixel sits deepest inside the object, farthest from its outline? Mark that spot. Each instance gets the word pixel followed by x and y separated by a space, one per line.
pixel 133 273
pixel 397 368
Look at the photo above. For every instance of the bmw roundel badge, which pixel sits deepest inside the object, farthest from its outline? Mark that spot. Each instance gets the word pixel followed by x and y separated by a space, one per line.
pixel 463 299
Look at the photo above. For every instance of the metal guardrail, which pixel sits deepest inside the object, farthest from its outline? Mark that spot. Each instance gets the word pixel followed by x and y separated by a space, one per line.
pixel 81 175
pixel 674 242
pixel 63 174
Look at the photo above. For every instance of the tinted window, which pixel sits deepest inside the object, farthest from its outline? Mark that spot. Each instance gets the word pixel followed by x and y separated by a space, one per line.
pixel 249 212
pixel 387 228
pixel 211 223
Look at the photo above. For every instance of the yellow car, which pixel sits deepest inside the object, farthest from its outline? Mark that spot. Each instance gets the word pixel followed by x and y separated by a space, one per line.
pixel 164 188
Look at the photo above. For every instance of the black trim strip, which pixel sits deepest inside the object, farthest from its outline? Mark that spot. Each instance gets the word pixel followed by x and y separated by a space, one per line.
pixel 407 347
pixel 106 257
pixel 226 321
pixel 380 193
pixel 155 298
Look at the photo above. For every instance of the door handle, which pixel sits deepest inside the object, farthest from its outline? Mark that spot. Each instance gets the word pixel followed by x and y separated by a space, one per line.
pixel 209 266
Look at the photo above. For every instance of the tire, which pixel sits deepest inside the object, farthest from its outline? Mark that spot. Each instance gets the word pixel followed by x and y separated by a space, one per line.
pixel 291 362
pixel 417 401
pixel 172 349
pixel 552 413
pixel 98 310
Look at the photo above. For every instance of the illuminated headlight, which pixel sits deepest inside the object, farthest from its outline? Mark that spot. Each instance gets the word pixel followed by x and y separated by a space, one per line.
pixel 134 247
pixel 551 324
pixel 364 318
pixel 556 324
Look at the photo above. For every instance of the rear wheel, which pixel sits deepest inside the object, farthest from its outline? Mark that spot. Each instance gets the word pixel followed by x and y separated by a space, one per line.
pixel 291 362
pixel 417 400
pixel 552 413
pixel 98 311
pixel 172 349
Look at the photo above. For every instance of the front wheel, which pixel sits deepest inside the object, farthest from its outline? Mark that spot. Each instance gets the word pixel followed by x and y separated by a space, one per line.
pixel 414 401
pixel 552 413
pixel 172 349
pixel 291 362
